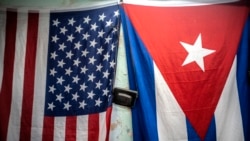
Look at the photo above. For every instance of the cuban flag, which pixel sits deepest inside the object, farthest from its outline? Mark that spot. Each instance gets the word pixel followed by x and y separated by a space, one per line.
pixel 188 61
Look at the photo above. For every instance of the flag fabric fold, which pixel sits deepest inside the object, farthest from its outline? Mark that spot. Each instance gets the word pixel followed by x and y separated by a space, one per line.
pixel 57 71
pixel 187 66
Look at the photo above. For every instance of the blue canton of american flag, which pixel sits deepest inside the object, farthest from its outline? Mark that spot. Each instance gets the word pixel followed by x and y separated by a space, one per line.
pixel 81 61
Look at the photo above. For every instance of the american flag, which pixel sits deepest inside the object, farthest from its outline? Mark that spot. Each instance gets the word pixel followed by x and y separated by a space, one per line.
pixel 57 73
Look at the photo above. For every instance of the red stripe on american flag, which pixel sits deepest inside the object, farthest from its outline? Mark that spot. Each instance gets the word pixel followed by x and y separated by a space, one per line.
pixel 108 119
pixel 93 127
pixel 48 129
pixel 9 55
pixel 29 77
pixel 70 133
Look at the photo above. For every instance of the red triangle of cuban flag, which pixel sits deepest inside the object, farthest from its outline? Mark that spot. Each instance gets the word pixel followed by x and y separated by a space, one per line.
pixel 194 48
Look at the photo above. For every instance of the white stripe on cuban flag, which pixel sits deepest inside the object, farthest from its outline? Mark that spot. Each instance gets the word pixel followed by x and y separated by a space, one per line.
pixel 171 114
pixel 227 114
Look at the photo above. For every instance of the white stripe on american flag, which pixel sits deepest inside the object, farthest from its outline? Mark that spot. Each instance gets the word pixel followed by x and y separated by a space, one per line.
pixel 171 115
pixel 227 114
pixel 18 78
pixel 102 126
pixel 81 127
pixel 2 43
pixel 6 88
pixel 59 128
pixel 40 77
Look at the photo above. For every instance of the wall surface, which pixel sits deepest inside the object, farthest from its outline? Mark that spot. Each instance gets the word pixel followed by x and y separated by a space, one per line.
pixel 121 128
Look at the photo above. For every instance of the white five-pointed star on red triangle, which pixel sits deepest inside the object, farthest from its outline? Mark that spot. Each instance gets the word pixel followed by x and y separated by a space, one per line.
pixel 196 53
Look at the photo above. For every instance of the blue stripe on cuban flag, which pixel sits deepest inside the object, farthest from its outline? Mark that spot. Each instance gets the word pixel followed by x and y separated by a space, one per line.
pixel 243 65
pixel 143 63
